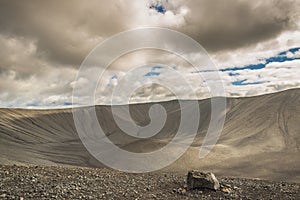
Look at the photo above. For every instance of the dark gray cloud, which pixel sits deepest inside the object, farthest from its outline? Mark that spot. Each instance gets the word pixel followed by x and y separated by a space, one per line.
pixel 65 31
pixel 231 24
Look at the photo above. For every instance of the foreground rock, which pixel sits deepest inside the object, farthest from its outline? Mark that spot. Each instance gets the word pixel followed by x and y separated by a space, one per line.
pixel 197 180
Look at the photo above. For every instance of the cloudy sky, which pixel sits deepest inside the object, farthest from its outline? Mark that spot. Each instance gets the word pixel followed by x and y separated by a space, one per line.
pixel 254 44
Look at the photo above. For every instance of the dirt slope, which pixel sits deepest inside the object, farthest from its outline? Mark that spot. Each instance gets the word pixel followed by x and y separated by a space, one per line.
pixel 261 137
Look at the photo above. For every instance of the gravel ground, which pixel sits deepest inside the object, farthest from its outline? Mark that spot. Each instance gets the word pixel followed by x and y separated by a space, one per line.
pixel 45 182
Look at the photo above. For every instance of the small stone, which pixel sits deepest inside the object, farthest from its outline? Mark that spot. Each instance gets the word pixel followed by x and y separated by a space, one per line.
pixel 179 190
pixel 2 195
pixel 226 190
pixel 197 179
pixel 236 188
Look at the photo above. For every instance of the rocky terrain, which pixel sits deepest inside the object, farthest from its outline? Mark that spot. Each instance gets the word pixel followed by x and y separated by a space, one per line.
pixel 50 182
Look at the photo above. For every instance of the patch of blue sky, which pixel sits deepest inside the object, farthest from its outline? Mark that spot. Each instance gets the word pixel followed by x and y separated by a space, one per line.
pixel 158 7
pixel 281 57
pixel 233 74
pixel 292 50
pixel 149 74
pixel 156 67
pixel 244 82
pixel 201 71
pixel 251 67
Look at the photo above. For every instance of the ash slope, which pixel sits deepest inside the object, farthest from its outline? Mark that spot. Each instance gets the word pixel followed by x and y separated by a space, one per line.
pixel 260 138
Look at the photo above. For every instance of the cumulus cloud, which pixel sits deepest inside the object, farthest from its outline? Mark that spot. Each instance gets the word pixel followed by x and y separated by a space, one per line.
pixel 44 42
pixel 219 25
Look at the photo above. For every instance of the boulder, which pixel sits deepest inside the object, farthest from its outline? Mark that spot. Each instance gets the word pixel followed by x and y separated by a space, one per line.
pixel 197 180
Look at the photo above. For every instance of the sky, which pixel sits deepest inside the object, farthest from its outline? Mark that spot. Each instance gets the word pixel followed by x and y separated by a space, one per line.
pixel 254 44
